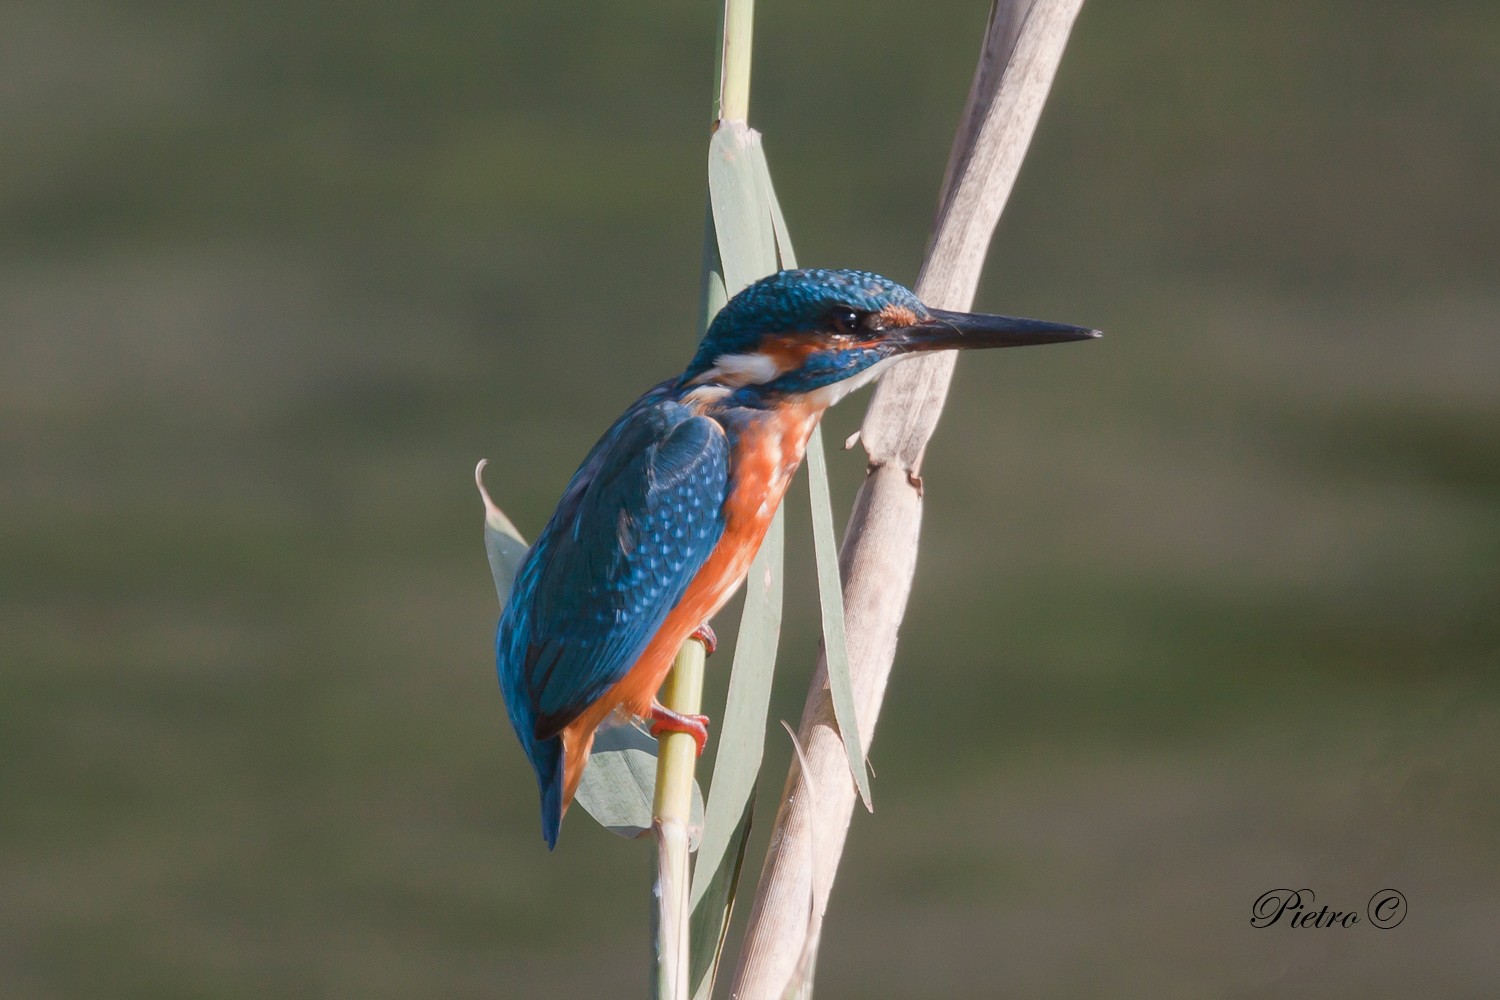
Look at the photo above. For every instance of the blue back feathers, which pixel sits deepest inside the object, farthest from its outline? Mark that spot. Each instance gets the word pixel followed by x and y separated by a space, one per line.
pixel 634 526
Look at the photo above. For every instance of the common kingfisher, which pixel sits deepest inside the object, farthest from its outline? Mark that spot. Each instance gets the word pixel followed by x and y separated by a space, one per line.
pixel 659 524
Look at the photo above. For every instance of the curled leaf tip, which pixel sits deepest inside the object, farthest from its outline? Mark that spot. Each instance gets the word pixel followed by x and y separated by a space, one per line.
pixel 503 544
pixel 484 494
pixel 494 517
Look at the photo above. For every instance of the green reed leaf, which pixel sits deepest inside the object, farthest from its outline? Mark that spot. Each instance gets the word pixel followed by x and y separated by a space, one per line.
pixel 742 736
pixel 825 551
pixel 831 597
pixel 741 248
pixel 741 209
pixel 619 783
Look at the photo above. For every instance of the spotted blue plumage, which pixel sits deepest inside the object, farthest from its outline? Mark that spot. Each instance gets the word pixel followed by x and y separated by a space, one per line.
pixel 637 522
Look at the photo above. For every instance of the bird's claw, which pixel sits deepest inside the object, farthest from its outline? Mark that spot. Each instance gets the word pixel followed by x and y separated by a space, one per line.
pixel 705 635
pixel 915 479
pixel 664 720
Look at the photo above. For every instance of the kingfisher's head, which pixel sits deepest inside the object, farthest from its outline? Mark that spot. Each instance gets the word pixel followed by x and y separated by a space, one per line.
pixel 818 335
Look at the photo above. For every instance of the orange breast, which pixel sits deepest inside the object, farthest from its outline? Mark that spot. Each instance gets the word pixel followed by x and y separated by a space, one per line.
pixel 766 454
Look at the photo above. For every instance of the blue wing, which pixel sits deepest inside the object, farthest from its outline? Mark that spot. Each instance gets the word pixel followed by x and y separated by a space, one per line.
pixel 636 523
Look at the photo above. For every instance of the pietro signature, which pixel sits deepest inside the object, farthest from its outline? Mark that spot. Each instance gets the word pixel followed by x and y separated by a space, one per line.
pixel 1386 909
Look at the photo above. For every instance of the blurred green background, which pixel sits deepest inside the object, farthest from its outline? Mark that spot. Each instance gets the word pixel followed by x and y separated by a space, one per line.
pixel 1204 609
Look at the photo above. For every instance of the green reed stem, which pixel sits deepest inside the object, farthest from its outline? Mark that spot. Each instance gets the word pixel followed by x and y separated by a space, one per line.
pixel 683 690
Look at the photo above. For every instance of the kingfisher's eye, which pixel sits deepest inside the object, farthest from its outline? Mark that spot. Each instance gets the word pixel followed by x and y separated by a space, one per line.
pixel 844 319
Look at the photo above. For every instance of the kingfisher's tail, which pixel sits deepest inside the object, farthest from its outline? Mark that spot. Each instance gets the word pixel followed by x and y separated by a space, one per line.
pixel 559 764
pixel 547 758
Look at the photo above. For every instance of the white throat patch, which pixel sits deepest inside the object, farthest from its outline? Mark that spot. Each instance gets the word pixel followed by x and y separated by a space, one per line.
pixel 742 369
pixel 832 393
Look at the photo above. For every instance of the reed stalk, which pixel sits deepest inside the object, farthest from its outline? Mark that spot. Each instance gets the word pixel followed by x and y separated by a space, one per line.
pixel 671 814
pixel 736 30
pixel 683 690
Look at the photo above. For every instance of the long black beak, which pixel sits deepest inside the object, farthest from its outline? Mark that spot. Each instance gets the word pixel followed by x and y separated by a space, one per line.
pixel 947 331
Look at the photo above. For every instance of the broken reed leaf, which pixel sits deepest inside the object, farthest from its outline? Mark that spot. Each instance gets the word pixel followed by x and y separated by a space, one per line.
pixel 709 922
pixel 800 984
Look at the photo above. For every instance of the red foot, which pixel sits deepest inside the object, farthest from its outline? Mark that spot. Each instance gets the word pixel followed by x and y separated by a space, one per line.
pixel 664 720
pixel 705 635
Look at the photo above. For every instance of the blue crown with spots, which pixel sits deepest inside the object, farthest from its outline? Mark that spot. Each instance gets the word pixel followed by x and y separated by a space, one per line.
pixel 795 302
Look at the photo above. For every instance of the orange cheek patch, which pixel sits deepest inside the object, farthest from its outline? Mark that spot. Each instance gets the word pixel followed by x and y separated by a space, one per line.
pixel 789 352
pixel 898 316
